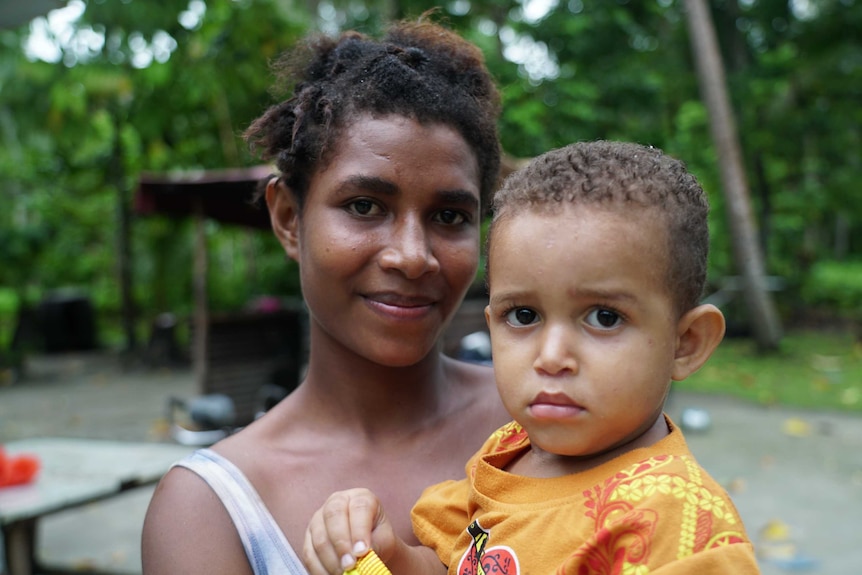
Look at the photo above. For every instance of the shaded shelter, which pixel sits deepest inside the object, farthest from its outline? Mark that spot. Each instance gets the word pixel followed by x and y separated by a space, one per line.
pixel 222 195
pixel 236 354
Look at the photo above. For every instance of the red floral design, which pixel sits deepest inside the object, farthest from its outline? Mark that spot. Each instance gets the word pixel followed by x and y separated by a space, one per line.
pixel 627 541
pixel 495 561
pixel 623 533
pixel 510 435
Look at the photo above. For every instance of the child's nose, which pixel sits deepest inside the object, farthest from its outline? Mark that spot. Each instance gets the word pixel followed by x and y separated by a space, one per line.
pixel 556 351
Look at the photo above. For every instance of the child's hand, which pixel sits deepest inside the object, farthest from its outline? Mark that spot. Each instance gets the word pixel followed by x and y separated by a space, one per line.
pixel 348 525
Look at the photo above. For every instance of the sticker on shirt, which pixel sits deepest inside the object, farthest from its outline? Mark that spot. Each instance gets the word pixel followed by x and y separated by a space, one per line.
pixel 482 560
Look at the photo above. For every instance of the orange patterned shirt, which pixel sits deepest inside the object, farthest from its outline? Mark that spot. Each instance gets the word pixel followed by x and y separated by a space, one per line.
pixel 650 511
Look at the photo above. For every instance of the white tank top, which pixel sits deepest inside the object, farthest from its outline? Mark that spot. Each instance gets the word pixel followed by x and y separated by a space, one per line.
pixel 268 551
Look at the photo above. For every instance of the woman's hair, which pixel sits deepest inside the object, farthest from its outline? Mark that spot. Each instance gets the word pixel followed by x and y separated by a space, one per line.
pixel 418 70
pixel 621 176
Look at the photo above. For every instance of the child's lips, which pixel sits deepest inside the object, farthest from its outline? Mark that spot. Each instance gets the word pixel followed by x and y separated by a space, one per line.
pixel 555 406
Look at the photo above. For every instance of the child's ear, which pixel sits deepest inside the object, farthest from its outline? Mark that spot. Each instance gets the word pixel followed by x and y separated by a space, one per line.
pixel 284 215
pixel 699 332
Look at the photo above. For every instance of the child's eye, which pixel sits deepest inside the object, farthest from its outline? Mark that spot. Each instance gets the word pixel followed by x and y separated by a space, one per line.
pixel 604 318
pixel 521 316
pixel 363 207
pixel 451 217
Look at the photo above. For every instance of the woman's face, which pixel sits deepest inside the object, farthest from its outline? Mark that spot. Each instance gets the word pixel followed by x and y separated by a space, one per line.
pixel 388 238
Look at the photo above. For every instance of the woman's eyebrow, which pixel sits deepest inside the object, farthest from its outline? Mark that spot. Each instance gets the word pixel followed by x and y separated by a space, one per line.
pixel 385 187
pixel 370 183
pixel 459 197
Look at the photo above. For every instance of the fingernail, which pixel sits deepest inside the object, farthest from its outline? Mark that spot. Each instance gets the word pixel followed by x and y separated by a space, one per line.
pixel 347 562
pixel 359 549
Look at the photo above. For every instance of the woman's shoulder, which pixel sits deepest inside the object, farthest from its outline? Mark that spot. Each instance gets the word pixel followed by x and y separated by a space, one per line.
pixel 473 375
pixel 479 400
pixel 188 530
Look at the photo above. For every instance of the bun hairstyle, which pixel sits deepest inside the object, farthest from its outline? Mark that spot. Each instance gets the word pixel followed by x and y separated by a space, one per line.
pixel 418 70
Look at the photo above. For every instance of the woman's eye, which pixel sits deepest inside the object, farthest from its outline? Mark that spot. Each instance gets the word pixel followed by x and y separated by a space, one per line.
pixel 604 318
pixel 521 316
pixel 451 217
pixel 363 207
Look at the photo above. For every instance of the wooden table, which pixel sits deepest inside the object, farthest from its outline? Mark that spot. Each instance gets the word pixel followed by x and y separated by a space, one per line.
pixel 74 472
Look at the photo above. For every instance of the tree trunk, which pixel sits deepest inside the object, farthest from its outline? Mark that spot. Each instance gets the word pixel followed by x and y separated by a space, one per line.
pixel 124 241
pixel 125 270
pixel 199 286
pixel 746 250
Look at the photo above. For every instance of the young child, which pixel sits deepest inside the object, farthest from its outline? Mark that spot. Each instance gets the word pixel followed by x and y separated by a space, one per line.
pixel 596 263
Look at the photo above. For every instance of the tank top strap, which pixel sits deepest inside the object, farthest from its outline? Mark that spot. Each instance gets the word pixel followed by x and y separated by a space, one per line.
pixel 268 550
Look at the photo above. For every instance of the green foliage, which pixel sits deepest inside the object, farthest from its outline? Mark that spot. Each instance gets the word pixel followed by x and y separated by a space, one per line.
pixel 835 286
pixel 173 87
pixel 77 136
pixel 8 311
pixel 812 369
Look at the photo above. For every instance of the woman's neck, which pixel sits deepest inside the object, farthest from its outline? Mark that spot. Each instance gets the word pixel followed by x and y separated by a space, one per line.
pixel 375 399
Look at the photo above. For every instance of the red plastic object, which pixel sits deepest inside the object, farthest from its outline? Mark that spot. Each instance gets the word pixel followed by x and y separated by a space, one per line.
pixel 17 470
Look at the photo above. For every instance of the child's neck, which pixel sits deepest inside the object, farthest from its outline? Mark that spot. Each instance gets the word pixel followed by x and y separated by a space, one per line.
pixel 536 462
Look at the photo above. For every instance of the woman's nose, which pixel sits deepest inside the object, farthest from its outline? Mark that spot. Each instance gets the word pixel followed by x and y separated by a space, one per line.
pixel 556 354
pixel 409 250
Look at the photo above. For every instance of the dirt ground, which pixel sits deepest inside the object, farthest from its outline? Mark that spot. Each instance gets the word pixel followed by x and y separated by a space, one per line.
pixel 795 475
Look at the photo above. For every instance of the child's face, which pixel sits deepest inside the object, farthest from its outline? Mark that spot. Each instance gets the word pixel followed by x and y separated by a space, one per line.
pixel 582 326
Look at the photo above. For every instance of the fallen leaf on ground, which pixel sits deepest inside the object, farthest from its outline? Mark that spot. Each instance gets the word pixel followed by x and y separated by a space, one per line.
pixel 796 427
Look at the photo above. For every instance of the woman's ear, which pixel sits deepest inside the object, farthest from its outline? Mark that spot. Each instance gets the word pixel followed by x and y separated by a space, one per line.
pixel 284 215
pixel 699 332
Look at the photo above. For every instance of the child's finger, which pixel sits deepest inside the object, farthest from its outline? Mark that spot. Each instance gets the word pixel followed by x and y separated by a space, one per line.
pixel 310 559
pixel 320 554
pixel 349 518
pixel 364 514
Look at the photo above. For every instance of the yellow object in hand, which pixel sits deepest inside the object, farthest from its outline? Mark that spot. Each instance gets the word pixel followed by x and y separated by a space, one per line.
pixel 369 564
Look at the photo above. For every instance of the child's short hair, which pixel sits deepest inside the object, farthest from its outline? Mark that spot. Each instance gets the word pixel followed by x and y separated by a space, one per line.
pixel 621 175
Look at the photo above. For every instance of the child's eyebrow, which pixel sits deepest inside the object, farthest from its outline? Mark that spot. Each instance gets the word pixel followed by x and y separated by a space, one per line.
pixel 497 299
pixel 603 294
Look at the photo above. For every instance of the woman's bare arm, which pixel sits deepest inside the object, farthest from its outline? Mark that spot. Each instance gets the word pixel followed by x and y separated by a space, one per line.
pixel 187 530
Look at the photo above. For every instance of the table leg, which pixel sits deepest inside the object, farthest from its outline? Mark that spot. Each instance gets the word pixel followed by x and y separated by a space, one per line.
pixel 19 540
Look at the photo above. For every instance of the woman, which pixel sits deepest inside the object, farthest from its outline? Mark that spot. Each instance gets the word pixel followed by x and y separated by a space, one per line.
pixel 386 151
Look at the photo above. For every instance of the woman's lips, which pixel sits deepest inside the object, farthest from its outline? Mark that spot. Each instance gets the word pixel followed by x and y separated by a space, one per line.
pixel 400 306
pixel 554 406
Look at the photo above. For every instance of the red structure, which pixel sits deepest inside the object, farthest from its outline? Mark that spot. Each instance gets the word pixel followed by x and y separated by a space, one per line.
pixel 225 195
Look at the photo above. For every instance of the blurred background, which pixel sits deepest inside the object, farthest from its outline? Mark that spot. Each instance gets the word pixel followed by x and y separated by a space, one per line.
pixel 127 229
pixel 98 96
